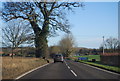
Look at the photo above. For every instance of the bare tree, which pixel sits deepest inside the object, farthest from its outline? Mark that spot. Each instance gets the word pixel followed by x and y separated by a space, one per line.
pixel 44 17
pixel 16 33
pixel 67 45
pixel 111 45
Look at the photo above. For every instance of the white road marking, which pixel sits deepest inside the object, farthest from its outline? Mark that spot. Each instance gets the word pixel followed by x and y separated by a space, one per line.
pixel 102 69
pixel 31 71
pixel 71 70
pixel 66 63
pixel 68 67
pixel 73 73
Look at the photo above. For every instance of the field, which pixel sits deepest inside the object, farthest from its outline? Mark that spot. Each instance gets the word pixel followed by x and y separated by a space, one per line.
pixel 90 57
pixel 11 68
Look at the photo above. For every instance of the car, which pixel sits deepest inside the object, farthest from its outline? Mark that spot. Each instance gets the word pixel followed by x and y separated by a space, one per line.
pixel 58 58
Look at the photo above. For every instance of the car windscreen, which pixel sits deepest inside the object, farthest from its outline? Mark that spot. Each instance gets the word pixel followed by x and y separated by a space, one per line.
pixel 58 56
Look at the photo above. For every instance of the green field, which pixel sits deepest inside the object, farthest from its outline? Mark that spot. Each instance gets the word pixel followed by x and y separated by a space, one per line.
pixel 90 57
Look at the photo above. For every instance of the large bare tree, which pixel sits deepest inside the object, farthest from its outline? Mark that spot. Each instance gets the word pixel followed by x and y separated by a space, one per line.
pixel 44 17
pixel 16 33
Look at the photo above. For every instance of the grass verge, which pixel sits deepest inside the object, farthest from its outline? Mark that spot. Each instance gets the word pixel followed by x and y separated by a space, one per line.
pixel 107 67
pixel 11 68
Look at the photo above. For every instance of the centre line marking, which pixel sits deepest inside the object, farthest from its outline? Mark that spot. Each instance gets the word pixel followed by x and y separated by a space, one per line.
pixel 66 63
pixel 68 67
pixel 71 70
pixel 73 73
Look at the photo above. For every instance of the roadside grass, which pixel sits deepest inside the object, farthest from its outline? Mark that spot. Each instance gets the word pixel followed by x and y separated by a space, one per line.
pixel 90 57
pixel 107 67
pixel 97 63
pixel 11 68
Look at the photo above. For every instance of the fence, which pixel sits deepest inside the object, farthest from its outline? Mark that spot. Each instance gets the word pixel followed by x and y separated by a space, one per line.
pixel 110 59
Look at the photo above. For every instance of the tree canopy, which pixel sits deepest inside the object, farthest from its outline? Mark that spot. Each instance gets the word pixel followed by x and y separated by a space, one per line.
pixel 67 45
pixel 16 33
pixel 44 17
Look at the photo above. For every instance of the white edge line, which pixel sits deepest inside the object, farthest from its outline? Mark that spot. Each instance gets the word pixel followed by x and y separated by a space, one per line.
pixel 31 71
pixel 73 73
pixel 101 69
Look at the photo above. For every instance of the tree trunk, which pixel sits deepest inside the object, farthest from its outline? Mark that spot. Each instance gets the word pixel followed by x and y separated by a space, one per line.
pixel 12 55
pixel 41 39
pixel 41 47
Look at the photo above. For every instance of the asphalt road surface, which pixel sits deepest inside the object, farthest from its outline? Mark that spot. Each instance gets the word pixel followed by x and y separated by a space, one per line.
pixel 69 70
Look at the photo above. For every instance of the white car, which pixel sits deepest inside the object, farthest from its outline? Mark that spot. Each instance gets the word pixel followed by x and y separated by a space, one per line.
pixel 58 58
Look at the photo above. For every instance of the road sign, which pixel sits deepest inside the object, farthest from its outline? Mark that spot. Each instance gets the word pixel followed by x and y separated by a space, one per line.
pixel 82 58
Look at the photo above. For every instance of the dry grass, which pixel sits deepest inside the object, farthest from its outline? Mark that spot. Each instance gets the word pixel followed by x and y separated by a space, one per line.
pixel 11 68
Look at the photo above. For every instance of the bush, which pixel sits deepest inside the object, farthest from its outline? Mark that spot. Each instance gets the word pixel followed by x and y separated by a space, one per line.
pixel 93 60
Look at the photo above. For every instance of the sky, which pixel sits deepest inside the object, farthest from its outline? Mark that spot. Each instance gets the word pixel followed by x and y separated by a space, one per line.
pixel 91 23
pixel 0 30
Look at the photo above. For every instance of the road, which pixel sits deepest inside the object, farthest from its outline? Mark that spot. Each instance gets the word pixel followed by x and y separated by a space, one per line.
pixel 69 70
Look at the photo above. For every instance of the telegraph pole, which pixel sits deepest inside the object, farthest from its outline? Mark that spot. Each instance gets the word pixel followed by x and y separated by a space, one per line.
pixel 103 45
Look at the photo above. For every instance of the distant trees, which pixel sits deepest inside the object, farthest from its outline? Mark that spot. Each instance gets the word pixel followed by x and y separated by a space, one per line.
pixel 87 51
pixel 83 51
pixel 44 17
pixel 16 33
pixel 111 45
pixel 67 45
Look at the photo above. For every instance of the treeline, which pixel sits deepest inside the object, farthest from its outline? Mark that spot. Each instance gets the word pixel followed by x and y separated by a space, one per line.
pixel 86 51
pixel 20 52
pixel 77 51
pixel 66 46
